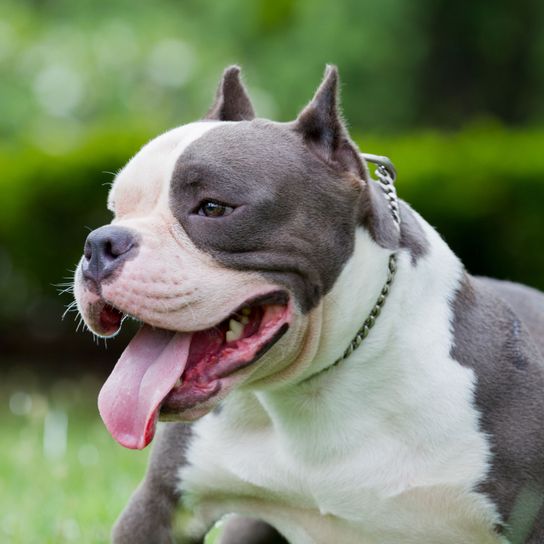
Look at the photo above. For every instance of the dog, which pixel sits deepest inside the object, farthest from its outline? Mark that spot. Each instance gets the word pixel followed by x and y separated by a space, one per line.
pixel 325 367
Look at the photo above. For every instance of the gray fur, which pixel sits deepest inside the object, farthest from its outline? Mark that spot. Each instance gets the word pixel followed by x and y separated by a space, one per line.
pixel 323 131
pixel 295 216
pixel 232 102
pixel 412 236
pixel 292 186
pixel 147 519
pixel 493 326
pixel 376 217
pixel 527 302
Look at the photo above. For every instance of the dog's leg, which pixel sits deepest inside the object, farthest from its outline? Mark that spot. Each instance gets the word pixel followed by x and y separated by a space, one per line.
pixel 536 535
pixel 242 530
pixel 147 519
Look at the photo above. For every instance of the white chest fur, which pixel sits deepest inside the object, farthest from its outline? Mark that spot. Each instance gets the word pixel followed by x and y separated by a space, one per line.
pixel 384 448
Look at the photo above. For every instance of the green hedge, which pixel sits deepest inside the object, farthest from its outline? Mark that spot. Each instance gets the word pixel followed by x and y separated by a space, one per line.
pixel 483 188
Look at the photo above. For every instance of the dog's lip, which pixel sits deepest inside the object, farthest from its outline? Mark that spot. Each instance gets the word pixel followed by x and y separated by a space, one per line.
pixel 103 318
pixel 210 365
pixel 101 313
pixel 279 297
pixel 181 404
pixel 110 319
pixel 211 381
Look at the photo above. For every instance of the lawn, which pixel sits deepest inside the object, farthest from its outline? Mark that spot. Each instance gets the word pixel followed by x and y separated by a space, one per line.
pixel 62 477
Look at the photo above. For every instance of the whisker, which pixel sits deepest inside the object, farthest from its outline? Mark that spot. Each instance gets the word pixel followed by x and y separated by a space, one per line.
pixel 80 323
pixel 64 286
pixel 71 307
pixel 69 289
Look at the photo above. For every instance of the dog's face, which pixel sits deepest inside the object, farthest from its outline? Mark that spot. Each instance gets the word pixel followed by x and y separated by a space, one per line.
pixel 227 233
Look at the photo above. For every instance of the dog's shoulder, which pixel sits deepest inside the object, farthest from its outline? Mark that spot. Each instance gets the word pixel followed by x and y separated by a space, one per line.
pixel 495 323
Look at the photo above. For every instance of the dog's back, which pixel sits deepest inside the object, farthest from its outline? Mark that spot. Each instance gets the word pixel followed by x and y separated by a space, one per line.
pixel 527 303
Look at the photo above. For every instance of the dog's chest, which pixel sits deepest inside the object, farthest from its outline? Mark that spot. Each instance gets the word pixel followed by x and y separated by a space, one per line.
pixel 379 489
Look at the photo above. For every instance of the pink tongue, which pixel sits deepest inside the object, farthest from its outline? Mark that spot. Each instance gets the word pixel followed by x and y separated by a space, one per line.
pixel 145 373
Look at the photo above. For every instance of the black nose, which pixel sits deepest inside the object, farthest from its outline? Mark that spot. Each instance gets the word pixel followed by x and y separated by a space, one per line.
pixel 105 250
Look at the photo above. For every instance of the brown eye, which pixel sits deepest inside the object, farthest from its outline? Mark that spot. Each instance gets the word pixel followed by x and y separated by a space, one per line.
pixel 211 208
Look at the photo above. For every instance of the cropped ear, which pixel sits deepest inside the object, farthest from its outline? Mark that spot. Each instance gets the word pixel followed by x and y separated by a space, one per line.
pixel 322 128
pixel 232 102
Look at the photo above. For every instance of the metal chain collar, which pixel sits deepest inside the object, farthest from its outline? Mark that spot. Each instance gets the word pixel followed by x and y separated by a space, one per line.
pixel 385 172
pixel 362 333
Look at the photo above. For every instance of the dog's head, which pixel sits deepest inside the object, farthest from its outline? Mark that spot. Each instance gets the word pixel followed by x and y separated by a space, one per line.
pixel 227 234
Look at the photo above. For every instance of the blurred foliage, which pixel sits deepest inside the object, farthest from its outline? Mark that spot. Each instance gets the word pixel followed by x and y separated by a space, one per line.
pixel 483 188
pixel 64 479
pixel 404 64
pixel 451 92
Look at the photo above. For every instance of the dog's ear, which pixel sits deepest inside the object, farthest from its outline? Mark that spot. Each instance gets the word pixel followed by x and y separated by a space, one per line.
pixel 322 128
pixel 232 102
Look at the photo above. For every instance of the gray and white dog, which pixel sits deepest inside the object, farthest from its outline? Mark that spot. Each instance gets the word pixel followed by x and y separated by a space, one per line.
pixel 328 369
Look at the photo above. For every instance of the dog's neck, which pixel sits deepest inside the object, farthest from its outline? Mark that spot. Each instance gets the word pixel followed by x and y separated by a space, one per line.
pixel 369 251
pixel 396 355
pixel 350 302
pixel 370 321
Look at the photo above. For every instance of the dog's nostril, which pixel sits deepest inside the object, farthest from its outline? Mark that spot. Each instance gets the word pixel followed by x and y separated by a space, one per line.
pixel 88 250
pixel 118 245
pixel 108 250
pixel 104 250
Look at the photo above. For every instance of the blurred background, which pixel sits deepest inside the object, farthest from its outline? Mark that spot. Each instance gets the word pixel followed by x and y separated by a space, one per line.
pixel 452 92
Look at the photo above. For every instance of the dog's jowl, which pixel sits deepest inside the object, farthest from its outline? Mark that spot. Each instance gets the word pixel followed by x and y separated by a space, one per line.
pixel 325 368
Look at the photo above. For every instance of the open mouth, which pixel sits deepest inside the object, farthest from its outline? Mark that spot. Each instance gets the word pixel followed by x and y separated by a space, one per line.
pixel 164 373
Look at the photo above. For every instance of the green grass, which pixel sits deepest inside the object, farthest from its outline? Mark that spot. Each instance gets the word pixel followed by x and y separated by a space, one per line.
pixel 64 495
pixel 51 494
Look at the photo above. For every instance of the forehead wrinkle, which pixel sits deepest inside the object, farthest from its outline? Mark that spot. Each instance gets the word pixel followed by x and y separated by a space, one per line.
pixel 297 228
pixel 142 185
pixel 188 137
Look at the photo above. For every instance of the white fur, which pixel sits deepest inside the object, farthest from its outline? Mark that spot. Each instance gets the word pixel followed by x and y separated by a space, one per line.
pixel 142 185
pixel 384 448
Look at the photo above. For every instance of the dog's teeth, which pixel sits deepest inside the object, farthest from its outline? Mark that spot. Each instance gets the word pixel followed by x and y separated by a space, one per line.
pixel 235 326
pixel 246 311
pixel 244 320
pixel 178 382
pixel 235 331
